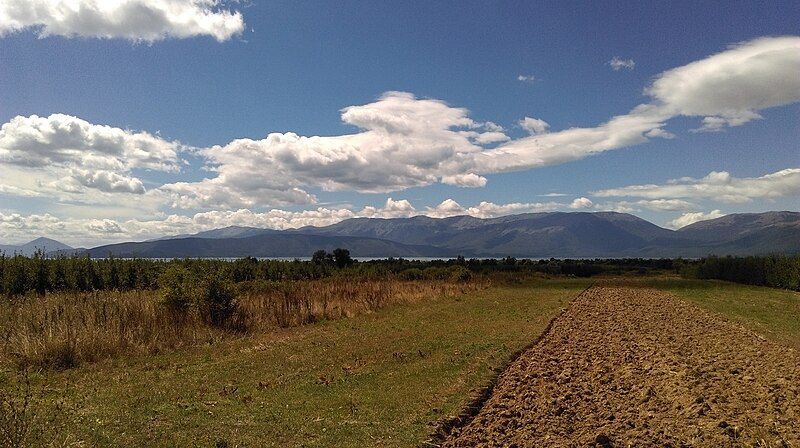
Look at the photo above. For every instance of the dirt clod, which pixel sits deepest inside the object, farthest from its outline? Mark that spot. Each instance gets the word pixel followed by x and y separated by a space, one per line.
pixel 603 441
pixel 638 367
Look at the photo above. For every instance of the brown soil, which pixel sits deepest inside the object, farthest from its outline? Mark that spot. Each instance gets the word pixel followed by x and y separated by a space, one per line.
pixel 629 367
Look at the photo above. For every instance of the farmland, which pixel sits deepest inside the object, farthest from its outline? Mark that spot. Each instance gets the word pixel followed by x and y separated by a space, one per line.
pixel 378 355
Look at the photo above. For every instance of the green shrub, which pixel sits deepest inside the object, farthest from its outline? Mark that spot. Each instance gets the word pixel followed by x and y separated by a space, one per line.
pixel 41 273
pixel 777 271
pixel 459 274
pixel 436 273
pixel 16 276
pixel 177 288
pixel 216 301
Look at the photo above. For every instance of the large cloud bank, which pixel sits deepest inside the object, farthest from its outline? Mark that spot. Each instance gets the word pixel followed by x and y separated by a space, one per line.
pixel 64 155
pixel 406 141
pixel 398 141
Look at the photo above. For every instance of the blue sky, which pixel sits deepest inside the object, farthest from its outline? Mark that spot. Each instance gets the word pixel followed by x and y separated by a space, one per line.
pixel 293 67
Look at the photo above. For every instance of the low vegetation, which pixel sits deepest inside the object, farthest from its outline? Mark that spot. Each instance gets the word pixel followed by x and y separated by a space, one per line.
pixel 20 275
pixel 221 351
pixel 61 312
pixel 376 379
pixel 61 330
pixel 776 271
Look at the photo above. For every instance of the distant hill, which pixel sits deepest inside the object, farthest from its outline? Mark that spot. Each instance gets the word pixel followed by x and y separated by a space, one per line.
pixel 583 234
pixel 224 232
pixel 265 245
pixel 537 235
pixel 46 245
pixel 732 227
pixel 745 234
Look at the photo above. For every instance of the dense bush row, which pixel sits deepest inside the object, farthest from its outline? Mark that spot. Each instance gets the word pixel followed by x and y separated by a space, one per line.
pixel 20 274
pixel 38 274
pixel 777 271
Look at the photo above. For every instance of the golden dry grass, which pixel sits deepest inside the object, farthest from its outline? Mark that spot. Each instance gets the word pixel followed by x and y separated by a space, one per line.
pixel 62 330
pixel 379 378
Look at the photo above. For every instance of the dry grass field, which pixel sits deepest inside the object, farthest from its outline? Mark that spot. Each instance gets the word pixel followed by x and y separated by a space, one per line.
pixel 62 330
pixel 379 378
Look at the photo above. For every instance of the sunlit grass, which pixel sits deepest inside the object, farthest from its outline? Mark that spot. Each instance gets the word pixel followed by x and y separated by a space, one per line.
pixel 62 330
pixel 377 379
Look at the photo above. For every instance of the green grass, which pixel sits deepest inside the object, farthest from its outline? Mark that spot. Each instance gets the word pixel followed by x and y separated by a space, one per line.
pixel 774 313
pixel 379 379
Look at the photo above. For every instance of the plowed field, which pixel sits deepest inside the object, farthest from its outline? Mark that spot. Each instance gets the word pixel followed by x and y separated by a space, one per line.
pixel 630 367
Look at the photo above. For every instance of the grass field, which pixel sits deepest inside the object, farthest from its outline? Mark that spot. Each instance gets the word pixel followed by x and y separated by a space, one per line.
pixel 378 379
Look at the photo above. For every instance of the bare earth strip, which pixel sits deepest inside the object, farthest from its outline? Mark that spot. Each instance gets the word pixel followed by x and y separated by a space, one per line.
pixel 638 367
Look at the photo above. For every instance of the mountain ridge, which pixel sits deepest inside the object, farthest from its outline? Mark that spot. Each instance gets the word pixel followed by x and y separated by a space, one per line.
pixel 536 235
pixel 264 245
pixel 44 244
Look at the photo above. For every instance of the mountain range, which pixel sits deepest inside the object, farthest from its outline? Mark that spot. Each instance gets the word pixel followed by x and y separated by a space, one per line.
pixel 536 235
pixel 46 245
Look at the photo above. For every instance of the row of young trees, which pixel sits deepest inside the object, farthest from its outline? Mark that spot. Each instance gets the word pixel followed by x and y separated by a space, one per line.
pixel 38 274
pixel 777 271
pixel 20 275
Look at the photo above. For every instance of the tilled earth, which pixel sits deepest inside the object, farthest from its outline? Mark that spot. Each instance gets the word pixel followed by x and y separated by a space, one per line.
pixel 629 367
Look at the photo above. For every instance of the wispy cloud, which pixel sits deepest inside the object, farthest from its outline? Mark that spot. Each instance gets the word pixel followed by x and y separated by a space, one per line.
pixel 526 78
pixel 617 63
pixel 717 185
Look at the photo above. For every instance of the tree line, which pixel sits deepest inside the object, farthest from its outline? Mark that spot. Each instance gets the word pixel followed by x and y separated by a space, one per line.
pixel 776 271
pixel 39 274
pixel 20 274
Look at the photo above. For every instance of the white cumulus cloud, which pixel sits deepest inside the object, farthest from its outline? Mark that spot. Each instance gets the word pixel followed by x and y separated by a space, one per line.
pixel 485 138
pixel 404 142
pixel 729 88
pixel 66 140
pixel 108 181
pixel 64 155
pixel 581 203
pixel 470 180
pixel 534 125
pixel 486 209
pixel 135 20
pixel 718 186
pixel 691 218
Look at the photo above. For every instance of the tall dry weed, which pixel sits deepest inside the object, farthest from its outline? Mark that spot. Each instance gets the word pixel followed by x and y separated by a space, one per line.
pixel 62 330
